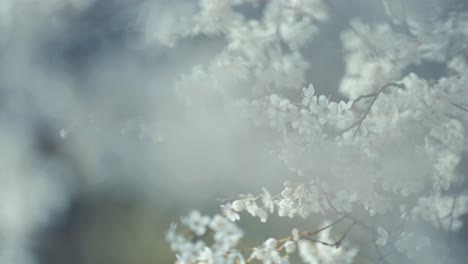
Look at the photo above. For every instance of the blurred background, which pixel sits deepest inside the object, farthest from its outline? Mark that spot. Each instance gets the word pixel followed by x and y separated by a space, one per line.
pixel 97 157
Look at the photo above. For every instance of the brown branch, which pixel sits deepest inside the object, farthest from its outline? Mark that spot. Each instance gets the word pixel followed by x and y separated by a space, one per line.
pixel 347 215
pixel 375 95
pixel 337 243
pixel 313 233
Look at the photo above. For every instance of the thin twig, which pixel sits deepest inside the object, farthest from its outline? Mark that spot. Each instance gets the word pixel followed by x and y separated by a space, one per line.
pixel 375 95
pixel 455 197
pixel 347 215
pixel 337 243
pixel 325 227
pixel 460 107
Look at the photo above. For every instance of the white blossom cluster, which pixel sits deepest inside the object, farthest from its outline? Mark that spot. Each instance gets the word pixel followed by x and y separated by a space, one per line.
pixel 263 54
pixel 249 204
pixel 313 247
pixel 380 51
pixel 224 233
pixel 277 251
pixel 390 152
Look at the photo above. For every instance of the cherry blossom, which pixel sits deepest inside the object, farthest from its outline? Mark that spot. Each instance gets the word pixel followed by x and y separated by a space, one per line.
pixel 382 162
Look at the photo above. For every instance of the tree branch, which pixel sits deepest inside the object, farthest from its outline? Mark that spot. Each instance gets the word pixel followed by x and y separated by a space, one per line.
pixel 357 124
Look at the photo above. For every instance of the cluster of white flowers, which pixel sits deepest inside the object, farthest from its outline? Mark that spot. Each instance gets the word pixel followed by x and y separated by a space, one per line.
pixel 311 250
pixel 390 152
pixel 249 204
pixel 224 233
pixel 263 54
pixel 380 51
pixel 313 247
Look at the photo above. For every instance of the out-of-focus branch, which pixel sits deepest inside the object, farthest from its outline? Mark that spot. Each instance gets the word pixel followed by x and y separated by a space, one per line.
pixel 460 107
